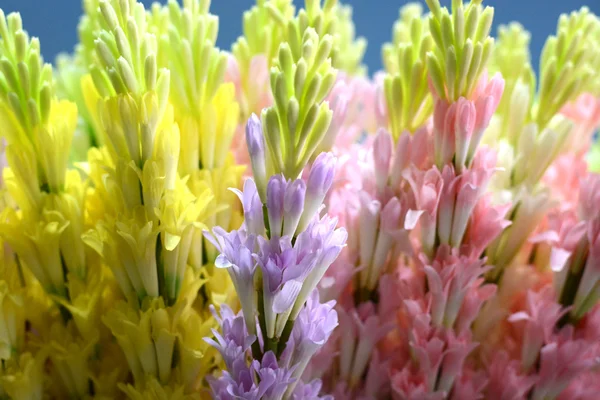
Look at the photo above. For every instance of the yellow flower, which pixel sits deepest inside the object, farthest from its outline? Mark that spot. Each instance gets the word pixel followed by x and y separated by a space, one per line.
pixel 12 321
pixel 70 355
pixel 53 143
pixel 24 378
pixel 38 244
pixel 218 122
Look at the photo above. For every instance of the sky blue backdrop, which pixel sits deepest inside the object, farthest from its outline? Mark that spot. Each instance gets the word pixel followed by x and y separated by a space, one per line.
pixel 55 21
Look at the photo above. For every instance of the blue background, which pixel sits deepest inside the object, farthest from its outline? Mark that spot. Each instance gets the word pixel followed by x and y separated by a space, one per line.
pixel 55 22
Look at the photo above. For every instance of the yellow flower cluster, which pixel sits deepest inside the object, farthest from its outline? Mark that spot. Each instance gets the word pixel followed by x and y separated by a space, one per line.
pixel 105 277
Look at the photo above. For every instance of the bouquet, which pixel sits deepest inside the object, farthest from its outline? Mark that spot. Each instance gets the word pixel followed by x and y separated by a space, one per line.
pixel 182 222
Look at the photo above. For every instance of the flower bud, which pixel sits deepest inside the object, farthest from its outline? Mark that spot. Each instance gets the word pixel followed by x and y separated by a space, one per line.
pixel 293 205
pixel 275 199
pixel 256 149
pixel 319 181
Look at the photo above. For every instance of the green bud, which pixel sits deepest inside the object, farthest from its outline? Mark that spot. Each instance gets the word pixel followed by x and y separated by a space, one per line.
pixel 472 22
pixel 485 23
pixel 122 43
pixel 324 50
pixel 293 110
pixel 286 60
pixel 310 95
pixel 104 53
pixel 45 102
pixel 9 74
pixel 300 76
pixel 436 74
pixel 34 114
pixel 20 45
pixel 15 105
pixel 127 75
pixel 23 72
pixel 327 84
pixel 150 70
pixel 109 14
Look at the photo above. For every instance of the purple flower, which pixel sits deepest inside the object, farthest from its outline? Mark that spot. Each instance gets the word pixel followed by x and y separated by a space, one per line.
pixel 320 237
pixel 261 380
pixel 256 148
pixel 309 391
pixel 313 327
pixel 293 205
pixel 237 384
pixel 275 199
pixel 253 208
pixel 270 374
pixel 285 203
pixel 284 268
pixel 319 181
pixel 236 250
pixel 234 340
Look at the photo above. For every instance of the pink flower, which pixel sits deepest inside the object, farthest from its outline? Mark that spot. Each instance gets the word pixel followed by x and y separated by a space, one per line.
pixel 585 114
pixel 538 321
pixel 585 386
pixel 459 127
pixel 460 194
pixel 589 197
pixel 562 360
pixel 427 189
pixel 470 386
pixel 564 178
pixel 449 279
pixel 361 330
pixel 506 380
pixel 486 224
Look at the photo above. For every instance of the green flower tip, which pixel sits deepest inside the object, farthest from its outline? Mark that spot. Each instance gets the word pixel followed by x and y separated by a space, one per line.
pixel 301 77
pixel 405 86
pixel 462 46
pixel 568 62
pixel 25 80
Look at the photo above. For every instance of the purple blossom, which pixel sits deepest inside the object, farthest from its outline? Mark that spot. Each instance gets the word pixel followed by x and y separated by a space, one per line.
pixel 322 238
pixel 285 203
pixel 319 181
pixel 256 149
pixel 309 391
pixel 236 249
pixel 293 205
pixel 234 340
pixel 260 380
pixel 284 269
pixel 275 198
pixel 313 327
pixel 253 208
pixel 277 379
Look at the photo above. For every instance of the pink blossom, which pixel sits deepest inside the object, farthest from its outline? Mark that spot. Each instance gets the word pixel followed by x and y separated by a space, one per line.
pixel 562 360
pixel 486 224
pixel 585 114
pixel 506 379
pixel 459 126
pixel 538 321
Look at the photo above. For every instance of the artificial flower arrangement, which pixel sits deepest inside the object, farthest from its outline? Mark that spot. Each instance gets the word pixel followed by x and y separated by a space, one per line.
pixel 180 222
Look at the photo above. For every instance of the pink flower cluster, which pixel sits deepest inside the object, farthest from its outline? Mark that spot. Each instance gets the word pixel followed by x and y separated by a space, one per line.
pixel 421 316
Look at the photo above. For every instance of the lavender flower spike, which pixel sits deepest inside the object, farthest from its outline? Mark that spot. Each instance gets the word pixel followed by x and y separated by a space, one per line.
pixel 319 181
pixel 256 149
